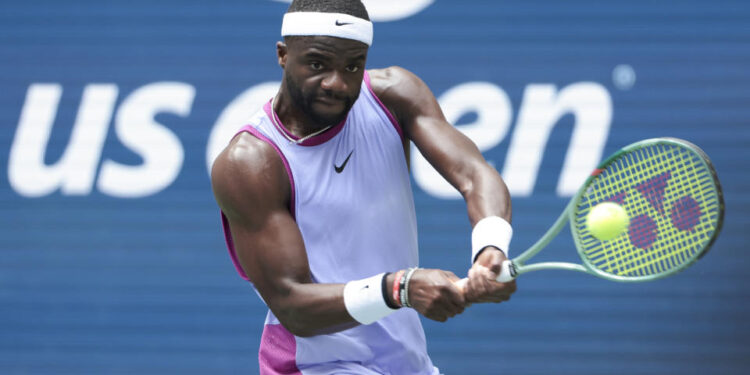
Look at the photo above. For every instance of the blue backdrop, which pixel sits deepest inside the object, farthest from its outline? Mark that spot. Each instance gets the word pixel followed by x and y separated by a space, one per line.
pixel 111 252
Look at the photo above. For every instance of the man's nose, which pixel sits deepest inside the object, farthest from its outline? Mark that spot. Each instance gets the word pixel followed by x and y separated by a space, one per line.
pixel 334 82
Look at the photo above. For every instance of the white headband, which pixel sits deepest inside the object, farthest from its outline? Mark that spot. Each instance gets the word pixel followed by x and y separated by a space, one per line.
pixel 327 24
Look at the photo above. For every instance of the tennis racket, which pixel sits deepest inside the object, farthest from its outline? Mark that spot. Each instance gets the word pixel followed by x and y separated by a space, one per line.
pixel 672 195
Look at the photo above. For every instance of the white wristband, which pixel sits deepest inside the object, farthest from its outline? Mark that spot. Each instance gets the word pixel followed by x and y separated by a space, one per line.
pixel 490 231
pixel 364 299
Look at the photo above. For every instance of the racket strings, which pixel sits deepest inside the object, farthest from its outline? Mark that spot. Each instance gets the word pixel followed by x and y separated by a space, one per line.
pixel 670 196
pixel 676 249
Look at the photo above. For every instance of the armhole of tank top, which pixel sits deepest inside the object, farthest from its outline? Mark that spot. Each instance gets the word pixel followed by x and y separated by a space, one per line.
pixel 293 194
pixel 230 245
pixel 388 113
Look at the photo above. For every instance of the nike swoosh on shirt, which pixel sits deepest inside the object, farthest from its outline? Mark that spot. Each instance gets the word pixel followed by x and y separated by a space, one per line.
pixel 341 168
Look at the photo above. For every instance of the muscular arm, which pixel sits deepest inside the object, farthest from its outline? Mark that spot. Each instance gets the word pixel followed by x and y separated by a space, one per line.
pixel 252 189
pixel 453 155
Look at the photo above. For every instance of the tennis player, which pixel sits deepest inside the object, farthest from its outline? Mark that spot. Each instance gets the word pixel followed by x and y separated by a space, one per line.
pixel 318 211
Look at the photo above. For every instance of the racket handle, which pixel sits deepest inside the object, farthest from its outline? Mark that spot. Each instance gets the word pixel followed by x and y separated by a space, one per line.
pixel 507 273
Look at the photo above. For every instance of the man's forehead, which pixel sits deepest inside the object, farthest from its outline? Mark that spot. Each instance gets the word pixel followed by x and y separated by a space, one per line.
pixel 303 44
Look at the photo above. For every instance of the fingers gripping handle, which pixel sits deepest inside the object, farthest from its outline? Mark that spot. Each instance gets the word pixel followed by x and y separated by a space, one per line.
pixel 507 273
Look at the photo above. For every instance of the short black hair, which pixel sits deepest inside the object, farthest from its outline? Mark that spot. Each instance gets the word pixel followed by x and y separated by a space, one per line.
pixel 351 7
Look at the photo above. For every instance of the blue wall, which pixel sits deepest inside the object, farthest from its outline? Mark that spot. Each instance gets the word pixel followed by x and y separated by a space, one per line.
pixel 93 282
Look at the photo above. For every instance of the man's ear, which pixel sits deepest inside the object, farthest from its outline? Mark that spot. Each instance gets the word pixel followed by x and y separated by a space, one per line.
pixel 281 53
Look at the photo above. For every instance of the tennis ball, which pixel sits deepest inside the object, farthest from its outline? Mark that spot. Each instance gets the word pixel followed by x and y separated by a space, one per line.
pixel 606 221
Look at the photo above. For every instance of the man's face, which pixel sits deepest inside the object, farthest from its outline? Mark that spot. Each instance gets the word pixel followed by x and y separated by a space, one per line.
pixel 323 75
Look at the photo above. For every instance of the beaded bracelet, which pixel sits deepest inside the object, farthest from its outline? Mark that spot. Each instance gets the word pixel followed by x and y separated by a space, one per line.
pixel 401 289
pixel 405 296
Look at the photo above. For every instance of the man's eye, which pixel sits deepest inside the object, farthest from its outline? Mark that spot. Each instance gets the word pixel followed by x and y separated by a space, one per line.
pixel 316 66
pixel 352 68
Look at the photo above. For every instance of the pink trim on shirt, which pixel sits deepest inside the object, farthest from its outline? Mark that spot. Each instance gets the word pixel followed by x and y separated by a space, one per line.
pixel 314 141
pixel 252 130
pixel 230 246
pixel 278 352
pixel 388 113
pixel 225 222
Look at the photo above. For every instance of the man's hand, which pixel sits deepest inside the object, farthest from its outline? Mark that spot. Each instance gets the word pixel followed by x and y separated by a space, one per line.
pixel 482 286
pixel 433 293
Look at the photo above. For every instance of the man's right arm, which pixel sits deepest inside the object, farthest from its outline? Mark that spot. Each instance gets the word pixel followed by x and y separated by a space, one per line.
pixel 253 191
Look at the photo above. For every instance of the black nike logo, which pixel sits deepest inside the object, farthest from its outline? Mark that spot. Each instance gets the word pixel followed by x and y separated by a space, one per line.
pixel 341 168
pixel 339 23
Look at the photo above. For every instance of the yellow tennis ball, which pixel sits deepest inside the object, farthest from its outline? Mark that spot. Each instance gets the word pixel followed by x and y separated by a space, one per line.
pixel 606 221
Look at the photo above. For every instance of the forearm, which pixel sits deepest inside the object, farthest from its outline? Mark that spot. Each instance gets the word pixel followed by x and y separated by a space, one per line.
pixel 309 309
pixel 489 207
pixel 486 194
pixel 315 309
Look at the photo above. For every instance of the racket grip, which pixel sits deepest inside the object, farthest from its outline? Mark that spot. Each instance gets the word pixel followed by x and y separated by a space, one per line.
pixel 507 273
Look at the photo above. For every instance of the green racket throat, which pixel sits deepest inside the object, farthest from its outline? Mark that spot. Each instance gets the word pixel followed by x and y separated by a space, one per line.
pixel 511 269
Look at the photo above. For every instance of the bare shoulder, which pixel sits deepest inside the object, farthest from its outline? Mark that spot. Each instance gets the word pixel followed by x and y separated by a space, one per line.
pixel 404 94
pixel 393 82
pixel 248 174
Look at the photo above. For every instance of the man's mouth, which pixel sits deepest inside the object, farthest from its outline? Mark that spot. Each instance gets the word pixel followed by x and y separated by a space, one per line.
pixel 329 100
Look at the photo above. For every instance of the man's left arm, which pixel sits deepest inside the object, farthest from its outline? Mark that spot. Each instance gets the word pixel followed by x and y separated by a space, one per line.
pixel 459 161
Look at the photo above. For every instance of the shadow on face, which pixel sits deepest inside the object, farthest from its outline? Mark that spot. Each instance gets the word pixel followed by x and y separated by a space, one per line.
pixel 323 75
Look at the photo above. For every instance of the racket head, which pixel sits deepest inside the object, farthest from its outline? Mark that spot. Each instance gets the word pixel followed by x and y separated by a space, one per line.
pixel 672 194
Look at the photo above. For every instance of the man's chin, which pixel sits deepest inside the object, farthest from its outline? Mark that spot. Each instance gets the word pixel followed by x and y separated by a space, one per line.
pixel 329 121
pixel 327 118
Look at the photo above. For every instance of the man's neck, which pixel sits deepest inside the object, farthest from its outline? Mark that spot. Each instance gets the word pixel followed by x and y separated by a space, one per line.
pixel 293 119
